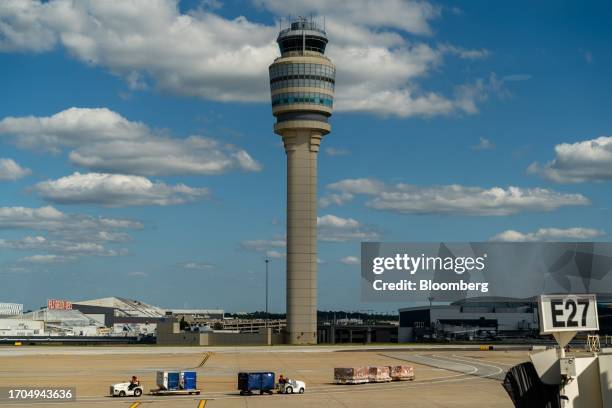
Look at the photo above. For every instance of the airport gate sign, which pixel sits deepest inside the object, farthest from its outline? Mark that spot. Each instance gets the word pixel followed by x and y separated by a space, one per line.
pixel 568 313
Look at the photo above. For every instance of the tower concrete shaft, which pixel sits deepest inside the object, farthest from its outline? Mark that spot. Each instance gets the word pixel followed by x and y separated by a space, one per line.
pixel 302 146
pixel 302 82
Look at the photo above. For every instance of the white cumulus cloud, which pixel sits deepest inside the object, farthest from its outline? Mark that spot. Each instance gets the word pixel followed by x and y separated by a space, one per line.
pixel 336 151
pixel 102 140
pixel 271 248
pixel 263 244
pixel 463 52
pixel 11 170
pixel 483 144
pixel 332 228
pixel 138 274
pixel 274 254
pixel 47 259
pixel 115 190
pixel 588 160
pixel 194 265
pixel 456 199
pixel 335 199
pixel 65 235
pixel 350 260
pixel 24 26
pixel 51 220
pixel 71 248
pixel 549 234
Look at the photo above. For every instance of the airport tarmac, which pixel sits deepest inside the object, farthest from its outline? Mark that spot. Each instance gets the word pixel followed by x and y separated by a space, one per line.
pixel 445 377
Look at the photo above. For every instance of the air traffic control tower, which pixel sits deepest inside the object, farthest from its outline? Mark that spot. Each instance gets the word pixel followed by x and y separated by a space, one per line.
pixel 302 83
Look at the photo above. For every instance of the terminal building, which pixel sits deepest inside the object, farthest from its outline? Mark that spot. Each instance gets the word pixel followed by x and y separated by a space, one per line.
pixel 484 318
pixel 10 309
pixel 469 318
pixel 360 333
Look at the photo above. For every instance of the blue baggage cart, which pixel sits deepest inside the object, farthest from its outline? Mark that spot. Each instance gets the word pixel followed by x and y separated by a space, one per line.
pixel 176 383
pixel 256 382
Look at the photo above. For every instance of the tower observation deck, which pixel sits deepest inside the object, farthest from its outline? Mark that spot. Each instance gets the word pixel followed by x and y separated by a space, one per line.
pixel 302 82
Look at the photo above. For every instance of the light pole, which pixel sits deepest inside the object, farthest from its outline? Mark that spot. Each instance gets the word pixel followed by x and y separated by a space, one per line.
pixel 267 262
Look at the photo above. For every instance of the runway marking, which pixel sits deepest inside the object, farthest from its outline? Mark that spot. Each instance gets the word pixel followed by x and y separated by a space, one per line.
pixel 456 363
pixel 469 359
pixel 437 359
pixel 134 405
pixel 489 361
pixel 422 359
pixel 499 369
pixel 202 403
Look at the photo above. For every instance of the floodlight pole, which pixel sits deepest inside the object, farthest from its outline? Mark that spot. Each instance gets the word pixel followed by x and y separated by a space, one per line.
pixel 267 262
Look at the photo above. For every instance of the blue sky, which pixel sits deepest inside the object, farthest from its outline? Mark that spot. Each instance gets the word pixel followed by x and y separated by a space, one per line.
pixel 138 159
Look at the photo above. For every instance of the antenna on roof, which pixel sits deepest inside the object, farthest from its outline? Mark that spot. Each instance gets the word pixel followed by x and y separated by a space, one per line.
pixel 303 35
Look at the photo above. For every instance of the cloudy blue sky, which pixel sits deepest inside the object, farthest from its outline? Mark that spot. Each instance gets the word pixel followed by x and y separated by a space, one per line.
pixel 137 156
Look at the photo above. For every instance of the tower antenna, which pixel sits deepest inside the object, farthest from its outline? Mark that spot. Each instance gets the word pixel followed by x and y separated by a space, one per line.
pixel 303 35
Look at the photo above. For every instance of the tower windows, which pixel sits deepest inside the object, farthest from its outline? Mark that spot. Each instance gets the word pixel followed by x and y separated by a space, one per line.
pixel 311 98
pixel 297 43
pixel 281 70
pixel 311 81
pixel 302 75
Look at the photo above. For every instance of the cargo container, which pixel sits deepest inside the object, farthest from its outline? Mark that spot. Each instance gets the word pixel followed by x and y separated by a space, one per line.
pixel 188 379
pixel 351 375
pixel 379 374
pixel 176 382
pixel 168 380
pixel 256 382
pixel 401 372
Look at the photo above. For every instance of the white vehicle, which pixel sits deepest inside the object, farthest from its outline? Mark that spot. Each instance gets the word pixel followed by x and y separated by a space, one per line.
pixel 291 387
pixel 123 390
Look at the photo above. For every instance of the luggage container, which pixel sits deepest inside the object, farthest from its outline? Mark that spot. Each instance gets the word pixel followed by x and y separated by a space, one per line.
pixel 351 375
pixel 176 382
pixel 258 382
pixel 188 379
pixel 401 372
pixel 379 374
pixel 168 380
